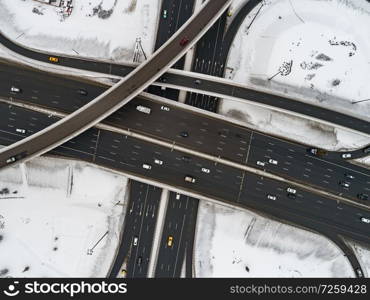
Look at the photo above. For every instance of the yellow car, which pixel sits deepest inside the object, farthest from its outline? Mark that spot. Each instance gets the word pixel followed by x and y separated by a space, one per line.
pixel 54 59
pixel 170 241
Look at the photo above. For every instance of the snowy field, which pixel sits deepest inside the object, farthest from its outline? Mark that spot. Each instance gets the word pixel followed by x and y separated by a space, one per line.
pixel 235 243
pixel 52 212
pixel 327 42
pixel 96 28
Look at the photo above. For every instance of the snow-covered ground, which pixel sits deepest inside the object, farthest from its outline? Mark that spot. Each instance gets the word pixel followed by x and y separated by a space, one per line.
pixel 363 255
pixel 235 243
pixel 328 44
pixel 96 28
pixel 52 211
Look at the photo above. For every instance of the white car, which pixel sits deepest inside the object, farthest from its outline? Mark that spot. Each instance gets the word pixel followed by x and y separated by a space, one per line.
pixel 291 190
pixel 346 155
pixel 20 130
pixel 15 89
pixel 178 196
pixel 271 197
pixel 158 162
pixel 189 179
pixel 365 220
pixel 136 239
pixel 205 170
pixel 273 161
pixel 260 163
pixel 165 108
pixel 143 109
pixel 10 160
pixel 147 167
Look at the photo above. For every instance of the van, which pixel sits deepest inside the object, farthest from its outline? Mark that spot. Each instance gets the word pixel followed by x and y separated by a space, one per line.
pixel 143 109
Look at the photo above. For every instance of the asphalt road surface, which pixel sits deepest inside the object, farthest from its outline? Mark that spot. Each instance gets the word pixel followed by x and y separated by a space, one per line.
pixel 138 231
pixel 179 226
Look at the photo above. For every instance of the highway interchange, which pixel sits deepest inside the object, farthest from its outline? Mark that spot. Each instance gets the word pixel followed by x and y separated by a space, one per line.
pixel 205 134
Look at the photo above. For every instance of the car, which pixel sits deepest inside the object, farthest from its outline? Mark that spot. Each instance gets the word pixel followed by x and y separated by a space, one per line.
pixel 359 273
pixel 158 161
pixel 229 13
pixel 363 196
pixel 205 170
pixel 186 158
pixel 136 239
pixel 147 166
pixel 346 155
pixel 20 130
pixel 123 273
pixel 345 184
pixel 82 92
pixel 271 197
pixel 291 196
pixel 165 14
pixel 53 59
pixel 184 41
pixel 366 150
pixel 198 81
pixel 349 176
pixel 365 220
pixel 184 134
pixel 317 152
pixel 273 161
pixel 15 89
pixel 143 109
pixel 163 88
pixel 291 190
pixel 170 241
pixel 10 160
pixel 189 179
pixel 165 108
pixel 139 260
pixel 178 196
pixel 163 79
pixel 16 157
pixel 260 163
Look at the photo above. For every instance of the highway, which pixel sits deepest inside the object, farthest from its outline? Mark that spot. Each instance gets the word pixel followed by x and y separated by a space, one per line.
pixel 180 225
pixel 178 12
pixel 137 237
pixel 206 134
pixel 120 94
pixel 224 183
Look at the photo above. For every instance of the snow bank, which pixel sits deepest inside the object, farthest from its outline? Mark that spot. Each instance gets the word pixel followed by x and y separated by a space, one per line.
pixel 55 211
pixel 235 243
pixel 96 28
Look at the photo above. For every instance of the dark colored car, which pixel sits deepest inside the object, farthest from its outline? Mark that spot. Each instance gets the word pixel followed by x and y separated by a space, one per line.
pixel 362 196
pixel 184 41
pixel 291 196
pixel 186 158
pixel 317 152
pixel 184 133
pixel 366 150
pixel 82 92
pixel 139 260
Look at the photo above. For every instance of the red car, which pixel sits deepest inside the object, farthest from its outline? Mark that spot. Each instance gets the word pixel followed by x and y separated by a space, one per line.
pixel 184 41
